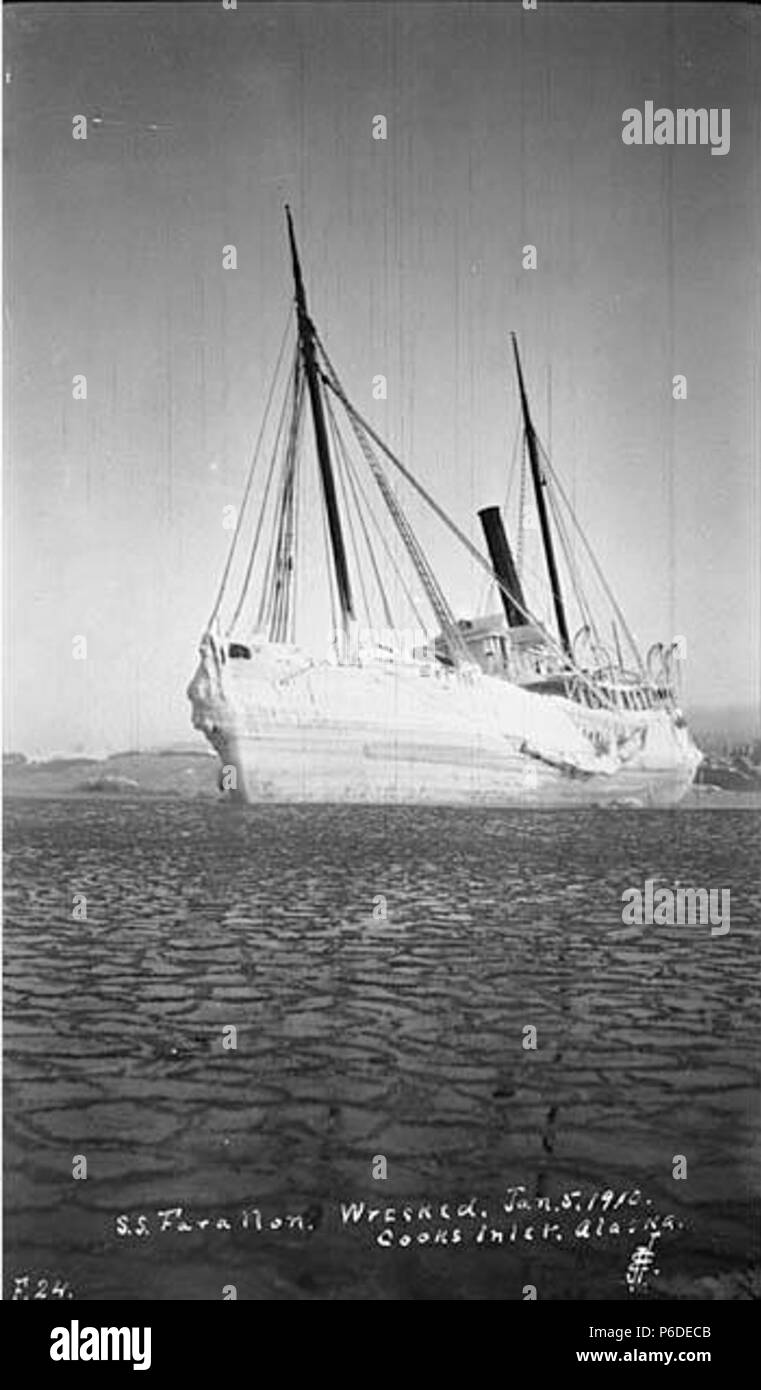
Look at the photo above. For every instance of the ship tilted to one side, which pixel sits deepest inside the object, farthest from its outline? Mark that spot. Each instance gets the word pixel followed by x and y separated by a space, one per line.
pixel 499 710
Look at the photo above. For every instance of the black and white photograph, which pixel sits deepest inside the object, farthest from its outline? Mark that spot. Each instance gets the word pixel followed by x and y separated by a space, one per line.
pixel 382 658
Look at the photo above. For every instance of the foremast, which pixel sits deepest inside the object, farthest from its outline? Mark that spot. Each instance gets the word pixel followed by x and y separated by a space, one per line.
pixel 306 333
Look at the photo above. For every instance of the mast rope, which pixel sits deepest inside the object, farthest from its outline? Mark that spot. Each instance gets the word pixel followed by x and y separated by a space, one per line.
pixel 600 576
pixel 284 554
pixel 345 499
pixel 578 591
pixel 267 486
pixel 450 631
pixel 349 467
pixel 250 478
pixel 389 552
pixel 567 661
pixel 291 635
pixel 332 583
pixel 521 509
pixel 264 602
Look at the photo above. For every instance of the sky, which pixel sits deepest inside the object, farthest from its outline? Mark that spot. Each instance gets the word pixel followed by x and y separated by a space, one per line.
pixel 503 129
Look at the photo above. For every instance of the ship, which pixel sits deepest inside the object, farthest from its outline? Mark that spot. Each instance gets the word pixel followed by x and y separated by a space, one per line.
pixel 396 700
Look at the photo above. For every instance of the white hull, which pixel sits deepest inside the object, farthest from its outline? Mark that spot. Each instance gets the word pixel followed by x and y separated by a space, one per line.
pixel 291 730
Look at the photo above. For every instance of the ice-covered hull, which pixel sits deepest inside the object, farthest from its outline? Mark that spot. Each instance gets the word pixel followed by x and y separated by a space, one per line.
pixel 290 730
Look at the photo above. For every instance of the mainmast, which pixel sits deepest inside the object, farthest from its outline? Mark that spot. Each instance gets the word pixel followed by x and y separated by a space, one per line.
pixel 306 342
pixel 536 474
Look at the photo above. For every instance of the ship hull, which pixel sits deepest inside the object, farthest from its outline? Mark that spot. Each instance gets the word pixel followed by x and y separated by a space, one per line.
pixel 319 765
pixel 288 730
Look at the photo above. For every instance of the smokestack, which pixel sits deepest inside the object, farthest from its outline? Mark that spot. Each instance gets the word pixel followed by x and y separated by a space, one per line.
pixel 503 565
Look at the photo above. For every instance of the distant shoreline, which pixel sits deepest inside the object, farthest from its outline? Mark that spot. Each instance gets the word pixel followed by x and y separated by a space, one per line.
pixel 164 773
